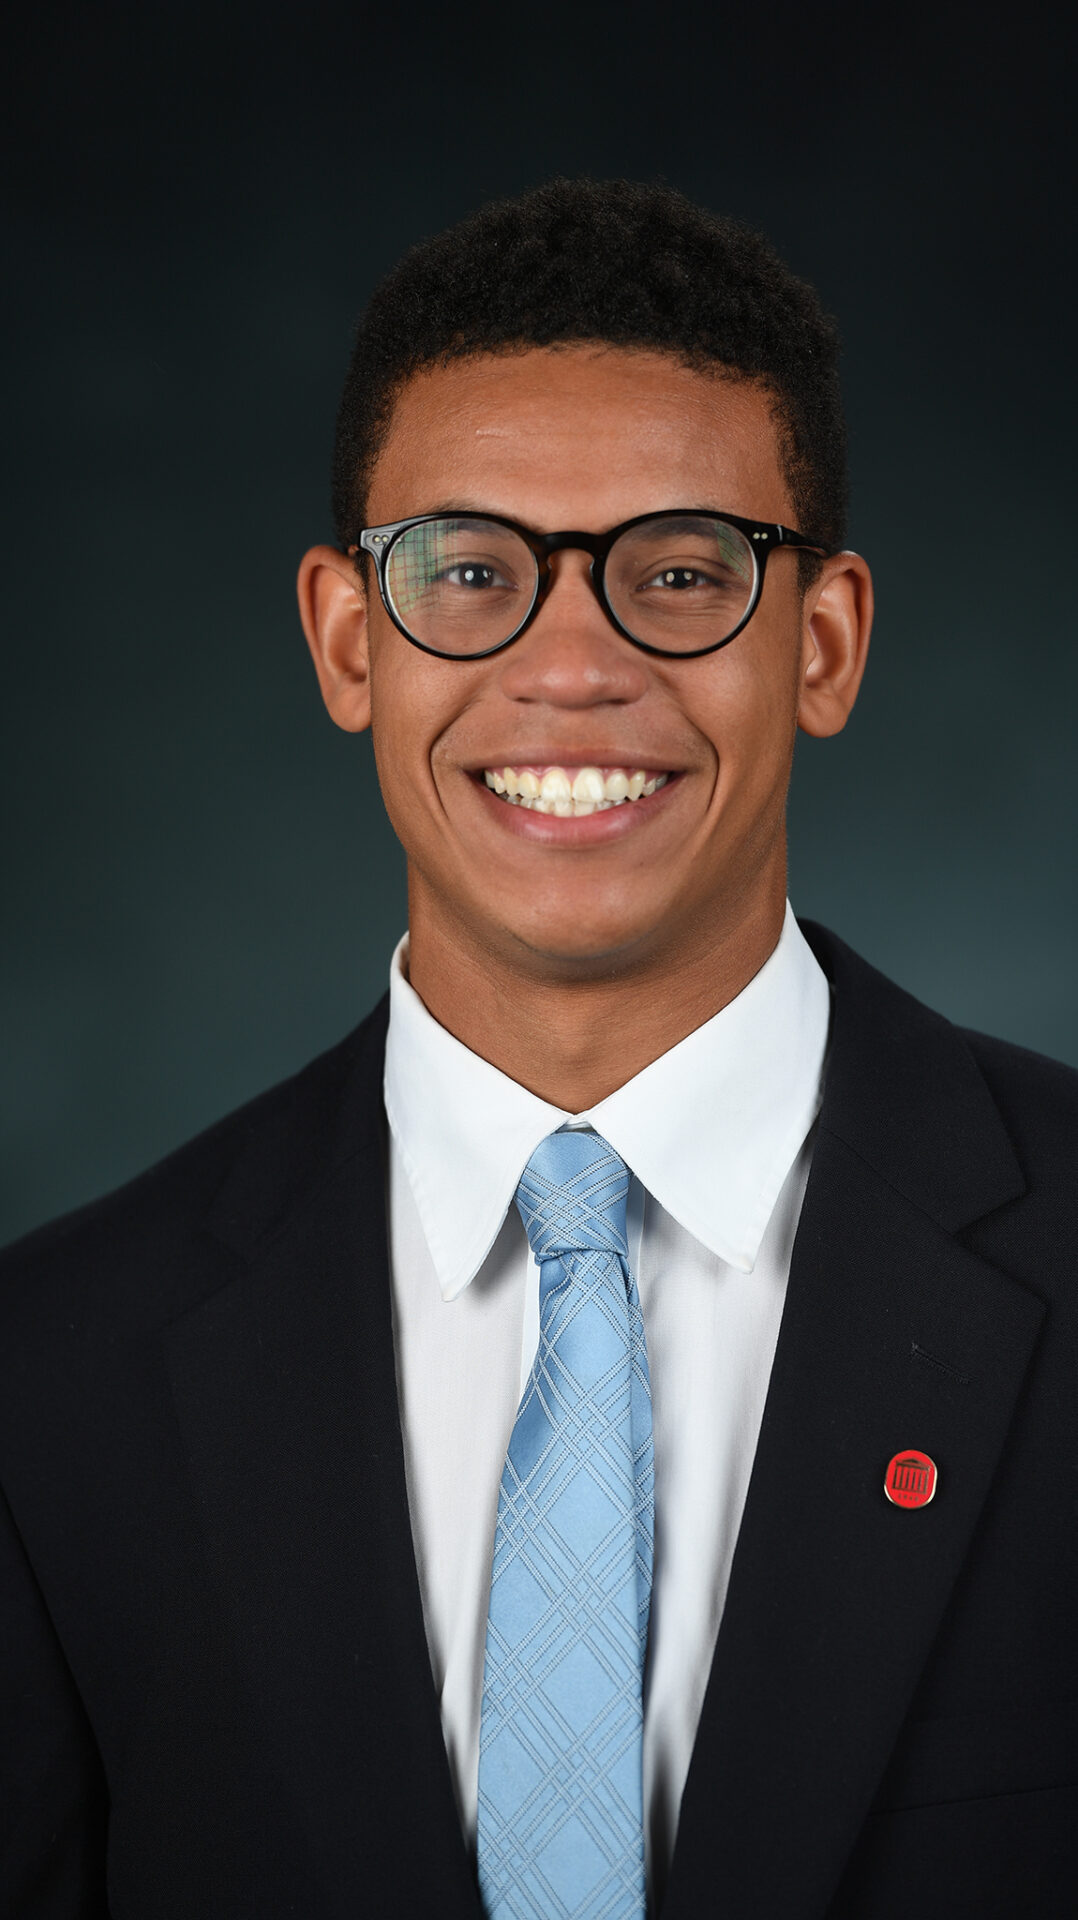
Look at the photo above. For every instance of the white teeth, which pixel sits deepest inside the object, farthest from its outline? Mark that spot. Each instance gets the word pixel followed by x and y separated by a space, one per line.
pixel 555 784
pixel 589 785
pixel 589 790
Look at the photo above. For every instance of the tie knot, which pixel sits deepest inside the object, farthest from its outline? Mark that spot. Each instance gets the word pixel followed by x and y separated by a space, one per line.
pixel 572 1197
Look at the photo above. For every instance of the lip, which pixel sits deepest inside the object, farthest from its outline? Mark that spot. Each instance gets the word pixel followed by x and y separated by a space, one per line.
pixel 586 830
pixel 540 763
pixel 570 753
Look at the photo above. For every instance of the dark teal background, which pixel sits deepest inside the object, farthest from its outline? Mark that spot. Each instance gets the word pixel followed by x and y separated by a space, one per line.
pixel 200 890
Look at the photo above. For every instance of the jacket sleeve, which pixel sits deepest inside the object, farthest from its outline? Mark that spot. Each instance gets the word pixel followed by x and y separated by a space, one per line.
pixel 53 1800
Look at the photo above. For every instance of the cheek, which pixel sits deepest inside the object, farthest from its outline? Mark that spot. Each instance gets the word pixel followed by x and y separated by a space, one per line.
pixel 398 736
pixel 413 707
pixel 748 708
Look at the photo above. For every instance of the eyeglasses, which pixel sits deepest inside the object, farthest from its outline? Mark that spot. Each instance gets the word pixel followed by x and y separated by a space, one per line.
pixel 684 581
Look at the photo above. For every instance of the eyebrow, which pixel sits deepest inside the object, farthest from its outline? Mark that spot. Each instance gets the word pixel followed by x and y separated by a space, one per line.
pixel 473 511
pixel 456 509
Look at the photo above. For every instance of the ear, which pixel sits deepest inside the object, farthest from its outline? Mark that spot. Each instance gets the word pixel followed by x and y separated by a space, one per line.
pixel 835 628
pixel 333 609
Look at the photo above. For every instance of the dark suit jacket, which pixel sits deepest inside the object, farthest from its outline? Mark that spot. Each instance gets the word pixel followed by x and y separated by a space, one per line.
pixel 216 1696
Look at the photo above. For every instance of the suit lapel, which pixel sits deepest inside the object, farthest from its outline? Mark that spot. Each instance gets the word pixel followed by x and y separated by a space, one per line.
pixel 285 1388
pixel 893 1336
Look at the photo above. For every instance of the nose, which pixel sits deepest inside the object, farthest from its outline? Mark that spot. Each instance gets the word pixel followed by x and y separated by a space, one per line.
pixel 572 655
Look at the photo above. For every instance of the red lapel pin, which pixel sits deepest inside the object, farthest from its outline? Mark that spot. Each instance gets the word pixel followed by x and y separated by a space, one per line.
pixel 910 1480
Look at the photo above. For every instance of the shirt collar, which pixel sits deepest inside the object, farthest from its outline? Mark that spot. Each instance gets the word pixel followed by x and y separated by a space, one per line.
pixel 711 1128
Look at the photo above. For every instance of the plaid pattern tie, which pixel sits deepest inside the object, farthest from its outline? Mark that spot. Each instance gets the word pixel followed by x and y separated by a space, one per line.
pixel 560 1826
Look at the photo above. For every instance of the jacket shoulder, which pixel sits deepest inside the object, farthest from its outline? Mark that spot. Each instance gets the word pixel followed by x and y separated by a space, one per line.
pixel 1020 1075
pixel 148 1222
pixel 939 1106
pixel 1037 1098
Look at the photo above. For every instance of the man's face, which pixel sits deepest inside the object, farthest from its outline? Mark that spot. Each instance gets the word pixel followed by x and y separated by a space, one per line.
pixel 586 437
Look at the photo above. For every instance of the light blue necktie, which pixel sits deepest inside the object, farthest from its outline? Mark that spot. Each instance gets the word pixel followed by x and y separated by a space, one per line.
pixel 560 1828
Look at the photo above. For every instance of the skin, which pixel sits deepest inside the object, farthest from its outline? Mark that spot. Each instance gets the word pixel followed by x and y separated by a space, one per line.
pixel 572 953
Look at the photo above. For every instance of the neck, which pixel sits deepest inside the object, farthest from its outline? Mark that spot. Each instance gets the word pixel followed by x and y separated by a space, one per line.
pixel 574 1037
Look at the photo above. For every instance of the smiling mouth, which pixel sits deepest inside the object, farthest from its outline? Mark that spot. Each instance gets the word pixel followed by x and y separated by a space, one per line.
pixel 569 792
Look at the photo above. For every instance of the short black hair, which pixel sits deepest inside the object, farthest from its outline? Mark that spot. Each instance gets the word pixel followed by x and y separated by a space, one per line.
pixel 614 262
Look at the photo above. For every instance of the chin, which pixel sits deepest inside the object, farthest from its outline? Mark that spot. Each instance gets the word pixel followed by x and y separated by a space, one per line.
pixel 584 948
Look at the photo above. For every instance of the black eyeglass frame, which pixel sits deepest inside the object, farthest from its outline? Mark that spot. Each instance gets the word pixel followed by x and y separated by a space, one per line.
pixel 764 536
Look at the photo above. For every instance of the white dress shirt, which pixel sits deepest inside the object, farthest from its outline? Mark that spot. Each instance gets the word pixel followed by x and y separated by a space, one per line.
pixel 717 1134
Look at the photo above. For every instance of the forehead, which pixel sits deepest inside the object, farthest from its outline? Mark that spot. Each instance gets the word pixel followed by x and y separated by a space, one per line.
pixel 578 436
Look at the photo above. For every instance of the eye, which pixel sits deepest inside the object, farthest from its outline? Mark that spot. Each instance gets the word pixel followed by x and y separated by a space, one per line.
pixel 680 578
pixel 473 574
pixel 683 578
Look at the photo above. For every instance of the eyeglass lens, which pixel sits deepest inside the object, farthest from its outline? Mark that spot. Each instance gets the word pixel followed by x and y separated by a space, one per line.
pixel 463 585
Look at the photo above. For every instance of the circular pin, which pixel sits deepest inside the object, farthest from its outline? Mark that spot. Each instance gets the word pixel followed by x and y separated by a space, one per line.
pixel 910 1480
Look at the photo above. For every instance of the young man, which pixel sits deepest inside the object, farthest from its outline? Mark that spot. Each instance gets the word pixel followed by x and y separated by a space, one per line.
pixel 695 1534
